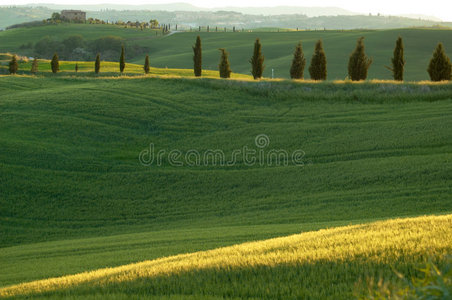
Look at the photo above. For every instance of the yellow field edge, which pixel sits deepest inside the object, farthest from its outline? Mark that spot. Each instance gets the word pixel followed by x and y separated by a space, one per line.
pixel 380 242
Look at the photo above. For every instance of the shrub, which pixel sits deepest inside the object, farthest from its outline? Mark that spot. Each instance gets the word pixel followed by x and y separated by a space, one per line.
pixel 146 65
pixel 34 66
pixel 359 63
pixel 55 64
pixel 197 57
pixel 257 61
pixel 97 64
pixel 398 61
pixel 13 65
pixel 317 69
pixel 298 63
pixel 440 66
pixel 122 60
pixel 224 66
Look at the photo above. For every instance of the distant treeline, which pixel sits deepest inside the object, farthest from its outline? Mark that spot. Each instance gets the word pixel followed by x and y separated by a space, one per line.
pixel 439 68
pixel 77 48
pixel 10 16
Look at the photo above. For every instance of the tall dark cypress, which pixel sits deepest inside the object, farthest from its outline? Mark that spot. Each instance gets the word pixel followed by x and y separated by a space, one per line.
pixel 298 63
pixel 317 69
pixel 197 57
pixel 76 67
pixel 122 60
pixel 55 64
pixel 440 67
pixel 257 61
pixel 97 64
pixel 13 65
pixel 147 66
pixel 359 63
pixel 398 61
pixel 224 66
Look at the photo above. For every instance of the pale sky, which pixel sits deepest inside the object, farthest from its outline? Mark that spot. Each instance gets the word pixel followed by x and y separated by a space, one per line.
pixel 438 8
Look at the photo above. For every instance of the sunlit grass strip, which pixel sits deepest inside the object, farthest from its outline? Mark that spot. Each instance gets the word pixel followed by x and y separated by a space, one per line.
pixel 380 242
pixel 113 67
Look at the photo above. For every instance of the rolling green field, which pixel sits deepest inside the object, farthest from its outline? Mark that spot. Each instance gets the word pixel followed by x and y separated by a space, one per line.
pixel 107 69
pixel 75 196
pixel 175 51
pixel 317 265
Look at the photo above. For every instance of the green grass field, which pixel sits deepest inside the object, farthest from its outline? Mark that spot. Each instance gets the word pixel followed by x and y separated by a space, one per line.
pixel 107 69
pixel 326 264
pixel 75 196
pixel 175 51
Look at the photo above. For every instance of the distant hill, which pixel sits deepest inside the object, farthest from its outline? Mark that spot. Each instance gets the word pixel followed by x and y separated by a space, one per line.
pixel 240 17
pixel 19 14
pixel 175 51
pixel 288 10
pixel 422 17
pixel 277 10
pixel 98 7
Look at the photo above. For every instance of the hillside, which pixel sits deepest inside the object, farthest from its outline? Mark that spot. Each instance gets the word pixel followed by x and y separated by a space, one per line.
pixel 80 191
pixel 175 51
pixel 70 154
pixel 340 260
pixel 15 15
pixel 107 68
pixel 186 15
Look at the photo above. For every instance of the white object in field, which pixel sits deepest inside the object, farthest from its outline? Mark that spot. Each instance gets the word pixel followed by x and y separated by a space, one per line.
pixel 273 73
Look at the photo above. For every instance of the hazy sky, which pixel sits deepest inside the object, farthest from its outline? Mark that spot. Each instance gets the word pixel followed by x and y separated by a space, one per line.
pixel 439 8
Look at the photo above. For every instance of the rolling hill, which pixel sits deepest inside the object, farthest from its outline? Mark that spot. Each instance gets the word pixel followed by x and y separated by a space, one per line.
pixel 175 51
pixel 79 192
pixel 187 15
pixel 326 264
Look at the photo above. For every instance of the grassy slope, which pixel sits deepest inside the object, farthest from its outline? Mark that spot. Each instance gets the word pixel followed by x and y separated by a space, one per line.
pixel 69 160
pixel 292 267
pixel 175 51
pixel 110 69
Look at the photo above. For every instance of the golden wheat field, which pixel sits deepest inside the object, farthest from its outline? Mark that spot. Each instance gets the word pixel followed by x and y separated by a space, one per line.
pixel 343 250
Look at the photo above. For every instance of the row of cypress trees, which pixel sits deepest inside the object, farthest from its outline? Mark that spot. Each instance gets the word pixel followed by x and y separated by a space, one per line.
pixel 440 67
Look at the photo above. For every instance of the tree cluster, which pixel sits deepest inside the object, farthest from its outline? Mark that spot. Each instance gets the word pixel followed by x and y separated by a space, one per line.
pixel 439 69
pixel 75 47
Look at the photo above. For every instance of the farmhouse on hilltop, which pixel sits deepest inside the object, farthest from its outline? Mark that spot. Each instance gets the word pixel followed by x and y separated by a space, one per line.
pixel 73 15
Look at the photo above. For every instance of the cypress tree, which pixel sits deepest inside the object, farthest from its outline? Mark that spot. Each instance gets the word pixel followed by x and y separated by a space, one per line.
pixel 440 67
pixel 224 66
pixel 317 69
pixel 298 63
pixel 97 64
pixel 197 57
pixel 257 61
pixel 122 60
pixel 76 67
pixel 55 64
pixel 34 66
pixel 146 65
pixel 359 63
pixel 398 61
pixel 13 65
